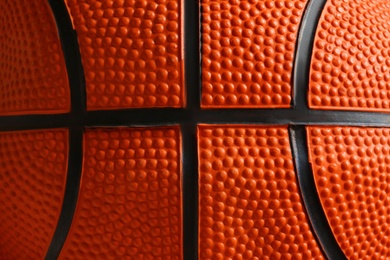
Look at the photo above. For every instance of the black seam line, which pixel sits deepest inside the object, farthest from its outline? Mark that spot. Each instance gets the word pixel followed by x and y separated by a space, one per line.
pixel 269 116
pixel 189 191
pixel 75 159
pixel 166 116
pixel 187 119
pixel 311 200
pixel 71 50
pixel 301 70
pixel 69 43
pixel 301 74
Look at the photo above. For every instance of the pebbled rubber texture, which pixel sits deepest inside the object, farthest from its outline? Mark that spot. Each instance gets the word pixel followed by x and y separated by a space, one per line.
pixel 32 66
pixel 249 200
pixel 32 185
pixel 129 203
pixel 131 52
pixel 350 166
pixel 351 57
pixel 248 52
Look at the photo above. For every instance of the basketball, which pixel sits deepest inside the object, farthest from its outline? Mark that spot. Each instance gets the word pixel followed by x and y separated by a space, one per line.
pixel 172 129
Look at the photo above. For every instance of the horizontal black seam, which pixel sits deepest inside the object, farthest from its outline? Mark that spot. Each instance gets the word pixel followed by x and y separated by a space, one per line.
pixel 139 117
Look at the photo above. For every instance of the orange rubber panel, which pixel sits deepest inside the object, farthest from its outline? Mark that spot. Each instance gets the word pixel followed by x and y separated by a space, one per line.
pixel 32 185
pixel 248 52
pixel 351 57
pixel 131 52
pixel 351 166
pixel 249 201
pixel 129 204
pixel 32 66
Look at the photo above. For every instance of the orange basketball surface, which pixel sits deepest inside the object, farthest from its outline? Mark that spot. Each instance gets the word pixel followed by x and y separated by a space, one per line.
pixel 32 68
pixel 130 197
pixel 131 52
pixel 172 129
pixel 350 165
pixel 32 185
pixel 249 205
pixel 350 57
pixel 247 52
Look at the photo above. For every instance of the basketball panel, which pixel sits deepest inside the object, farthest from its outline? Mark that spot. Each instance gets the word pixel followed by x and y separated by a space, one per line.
pixel 32 66
pixel 350 61
pixel 247 51
pixel 249 200
pixel 131 52
pixel 349 166
pixel 32 186
pixel 129 203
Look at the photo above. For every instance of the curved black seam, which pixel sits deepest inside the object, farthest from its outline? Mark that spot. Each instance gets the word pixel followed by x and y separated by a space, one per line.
pixel 304 50
pixel 74 122
pixel 301 75
pixel 75 159
pixel 318 221
pixel 71 50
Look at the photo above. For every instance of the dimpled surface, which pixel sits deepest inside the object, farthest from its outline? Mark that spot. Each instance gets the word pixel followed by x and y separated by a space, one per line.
pixel 248 51
pixel 351 57
pixel 129 205
pixel 351 166
pixel 33 167
pixel 131 52
pixel 249 202
pixel 33 78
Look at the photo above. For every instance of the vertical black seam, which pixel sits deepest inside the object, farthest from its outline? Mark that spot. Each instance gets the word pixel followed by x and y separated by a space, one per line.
pixel 318 221
pixel 75 160
pixel 190 191
pixel 192 55
pixel 188 128
pixel 71 50
pixel 304 49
